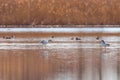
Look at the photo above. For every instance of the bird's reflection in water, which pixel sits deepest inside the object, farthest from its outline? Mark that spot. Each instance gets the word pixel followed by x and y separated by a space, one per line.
pixel 66 76
pixel 109 65
pixel 45 54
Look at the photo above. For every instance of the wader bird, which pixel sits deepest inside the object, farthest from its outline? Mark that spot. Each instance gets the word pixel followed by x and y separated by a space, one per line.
pixel 104 43
pixel 44 42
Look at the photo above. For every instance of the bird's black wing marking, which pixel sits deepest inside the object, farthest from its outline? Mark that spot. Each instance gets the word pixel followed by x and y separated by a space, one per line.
pixel 103 42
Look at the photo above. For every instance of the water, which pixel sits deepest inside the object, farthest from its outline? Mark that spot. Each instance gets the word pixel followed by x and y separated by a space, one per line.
pixel 60 64
pixel 79 60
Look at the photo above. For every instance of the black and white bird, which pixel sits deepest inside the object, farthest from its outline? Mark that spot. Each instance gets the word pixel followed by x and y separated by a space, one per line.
pixel 104 43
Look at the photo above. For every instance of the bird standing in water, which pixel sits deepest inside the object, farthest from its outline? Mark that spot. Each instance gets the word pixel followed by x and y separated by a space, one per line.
pixel 104 43
pixel 44 42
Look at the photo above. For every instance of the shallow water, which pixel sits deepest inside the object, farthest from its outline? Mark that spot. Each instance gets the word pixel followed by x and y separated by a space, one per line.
pixel 24 58
pixel 60 64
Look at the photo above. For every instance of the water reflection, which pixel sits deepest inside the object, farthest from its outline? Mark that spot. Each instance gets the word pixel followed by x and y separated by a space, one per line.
pixel 109 65
pixel 60 64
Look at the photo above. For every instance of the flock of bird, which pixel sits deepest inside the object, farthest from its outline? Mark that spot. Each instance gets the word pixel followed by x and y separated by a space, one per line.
pixel 103 43
pixel 44 42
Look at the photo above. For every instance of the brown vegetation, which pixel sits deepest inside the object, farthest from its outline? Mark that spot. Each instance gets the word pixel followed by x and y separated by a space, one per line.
pixel 59 12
